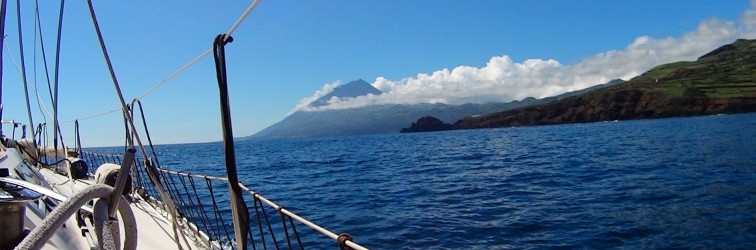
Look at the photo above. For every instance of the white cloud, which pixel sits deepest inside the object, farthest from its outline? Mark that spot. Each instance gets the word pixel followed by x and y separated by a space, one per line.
pixel 748 19
pixel 327 88
pixel 502 80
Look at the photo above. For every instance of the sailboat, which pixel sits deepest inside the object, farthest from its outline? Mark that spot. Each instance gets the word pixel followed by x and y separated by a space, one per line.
pixel 68 198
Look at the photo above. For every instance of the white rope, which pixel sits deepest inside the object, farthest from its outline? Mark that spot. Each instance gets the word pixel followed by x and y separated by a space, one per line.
pixel 159 84
pixel 241 19
pixel 204 54
pixel 93 116
pixel 176 73
pixel 192 62
pixel 42 233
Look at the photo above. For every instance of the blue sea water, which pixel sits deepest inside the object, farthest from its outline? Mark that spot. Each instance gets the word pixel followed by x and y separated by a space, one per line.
pixel 669 183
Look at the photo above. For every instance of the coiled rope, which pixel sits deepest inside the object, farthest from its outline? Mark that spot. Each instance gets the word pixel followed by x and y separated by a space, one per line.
pixel 107 238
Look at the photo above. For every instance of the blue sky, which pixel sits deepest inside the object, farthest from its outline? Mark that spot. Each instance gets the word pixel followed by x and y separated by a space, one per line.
pixel 288 52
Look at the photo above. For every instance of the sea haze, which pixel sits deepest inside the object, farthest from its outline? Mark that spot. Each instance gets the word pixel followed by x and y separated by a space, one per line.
pixel 669 183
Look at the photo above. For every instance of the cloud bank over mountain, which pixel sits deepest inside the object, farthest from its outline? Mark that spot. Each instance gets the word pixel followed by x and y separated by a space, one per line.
pixel 503 80
pixel 327 88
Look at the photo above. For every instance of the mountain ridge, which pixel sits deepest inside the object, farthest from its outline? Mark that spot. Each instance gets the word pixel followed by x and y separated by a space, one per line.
pixel 350 90
pixel 389 118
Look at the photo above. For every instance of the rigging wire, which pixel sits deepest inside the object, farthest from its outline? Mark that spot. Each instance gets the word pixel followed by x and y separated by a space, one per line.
pixel 38 27
pixel 18 68
pixel 257 197
pixel 130 121
pixel 56 126
pixel 127 116
pixel 23 68
pixel 197 59
pixel 93 116
pixel 3 4
pixel 176 73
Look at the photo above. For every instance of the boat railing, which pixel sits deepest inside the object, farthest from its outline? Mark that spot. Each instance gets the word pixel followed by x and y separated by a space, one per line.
pixel 203 202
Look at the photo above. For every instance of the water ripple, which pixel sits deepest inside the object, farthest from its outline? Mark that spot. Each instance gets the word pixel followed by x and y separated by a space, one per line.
pixel 673 183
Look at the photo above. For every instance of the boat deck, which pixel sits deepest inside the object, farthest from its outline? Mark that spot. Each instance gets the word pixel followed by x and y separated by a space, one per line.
pixel 154 226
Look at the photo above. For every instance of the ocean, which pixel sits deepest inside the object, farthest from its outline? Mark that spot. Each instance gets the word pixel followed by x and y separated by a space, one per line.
pixel 668 183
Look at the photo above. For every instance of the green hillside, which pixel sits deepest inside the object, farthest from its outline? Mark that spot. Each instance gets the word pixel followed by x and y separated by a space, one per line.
pixel 720 82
